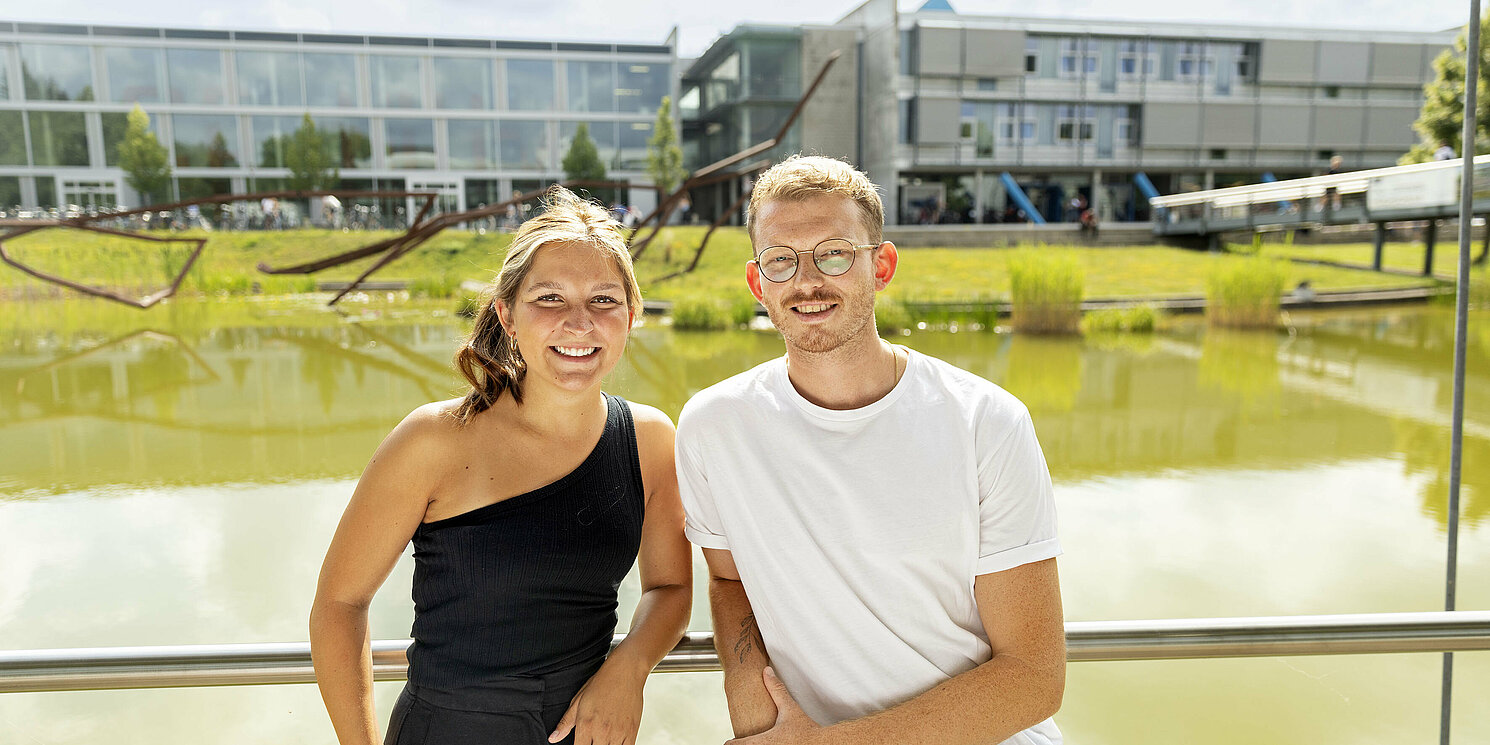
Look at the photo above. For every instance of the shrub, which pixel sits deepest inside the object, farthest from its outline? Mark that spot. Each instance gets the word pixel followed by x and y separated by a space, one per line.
pixel 742 310
pixel 891 316
pixel 1134 319
pixel 445 286
pixel 1244 293
pixel 1046 290
pixel 702 313
pixel 286 284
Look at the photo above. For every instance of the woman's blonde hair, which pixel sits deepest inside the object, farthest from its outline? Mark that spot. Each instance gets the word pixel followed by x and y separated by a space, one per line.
pixel 489 358
pixel 803 176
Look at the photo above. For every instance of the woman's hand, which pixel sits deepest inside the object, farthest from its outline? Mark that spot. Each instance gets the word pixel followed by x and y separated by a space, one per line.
pixel 607 710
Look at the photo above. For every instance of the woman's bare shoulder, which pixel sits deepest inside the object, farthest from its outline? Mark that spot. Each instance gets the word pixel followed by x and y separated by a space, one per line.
pixel 430 430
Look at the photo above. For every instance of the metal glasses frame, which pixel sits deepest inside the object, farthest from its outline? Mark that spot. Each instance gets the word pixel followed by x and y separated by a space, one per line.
pixel 797 262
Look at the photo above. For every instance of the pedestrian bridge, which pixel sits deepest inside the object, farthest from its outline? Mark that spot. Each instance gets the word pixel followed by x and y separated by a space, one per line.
pixel 1419 192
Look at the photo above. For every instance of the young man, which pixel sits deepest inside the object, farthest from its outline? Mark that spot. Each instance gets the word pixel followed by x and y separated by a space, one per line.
pixel 878 524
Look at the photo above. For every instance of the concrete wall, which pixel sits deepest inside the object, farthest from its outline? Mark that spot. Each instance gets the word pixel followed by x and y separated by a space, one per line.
pixel 877 22
pixel 829 123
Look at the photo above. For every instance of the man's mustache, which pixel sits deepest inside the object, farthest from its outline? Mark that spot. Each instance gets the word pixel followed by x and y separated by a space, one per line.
pixel 812 298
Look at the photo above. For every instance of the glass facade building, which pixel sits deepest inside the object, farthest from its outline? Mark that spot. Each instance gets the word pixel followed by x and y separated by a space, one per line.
pixel 476 119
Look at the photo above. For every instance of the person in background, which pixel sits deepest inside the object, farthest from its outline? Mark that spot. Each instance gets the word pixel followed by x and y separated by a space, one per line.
pixel 527 500
pixel 1445 151
pixel 879 525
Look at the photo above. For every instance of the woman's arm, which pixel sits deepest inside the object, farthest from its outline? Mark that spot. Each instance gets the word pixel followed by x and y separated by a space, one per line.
pixel 608 708
pixel 381 517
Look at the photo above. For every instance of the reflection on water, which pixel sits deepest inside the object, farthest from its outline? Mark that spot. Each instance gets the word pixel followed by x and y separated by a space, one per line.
pixel 178 484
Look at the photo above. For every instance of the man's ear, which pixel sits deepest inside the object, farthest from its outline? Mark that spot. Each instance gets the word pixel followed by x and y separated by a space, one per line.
pixel 886 258
pixel 753 279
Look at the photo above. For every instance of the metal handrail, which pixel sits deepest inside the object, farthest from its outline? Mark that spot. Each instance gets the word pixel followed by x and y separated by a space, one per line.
pixel 1350 182
pixel 1181 638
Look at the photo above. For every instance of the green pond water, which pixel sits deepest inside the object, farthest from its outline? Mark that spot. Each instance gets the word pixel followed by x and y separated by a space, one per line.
pixel 174 476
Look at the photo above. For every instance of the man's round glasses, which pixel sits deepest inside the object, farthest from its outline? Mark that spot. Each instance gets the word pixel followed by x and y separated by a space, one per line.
pixel 832 257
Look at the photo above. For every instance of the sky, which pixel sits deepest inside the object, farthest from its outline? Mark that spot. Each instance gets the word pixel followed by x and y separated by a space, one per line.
pixel 698 22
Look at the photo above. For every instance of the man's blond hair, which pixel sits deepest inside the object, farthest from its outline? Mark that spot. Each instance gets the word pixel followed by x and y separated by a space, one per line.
pixel 803 176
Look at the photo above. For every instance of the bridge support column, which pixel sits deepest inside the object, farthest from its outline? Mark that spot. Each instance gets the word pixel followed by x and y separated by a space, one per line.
pixel 1378 245
pixel 1430 236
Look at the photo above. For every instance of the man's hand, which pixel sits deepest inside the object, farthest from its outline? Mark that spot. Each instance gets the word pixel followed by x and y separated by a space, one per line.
pixel 793 726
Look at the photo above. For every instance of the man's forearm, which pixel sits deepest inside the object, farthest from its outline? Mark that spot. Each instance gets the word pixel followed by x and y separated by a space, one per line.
pixel 985 705
pixel 743 655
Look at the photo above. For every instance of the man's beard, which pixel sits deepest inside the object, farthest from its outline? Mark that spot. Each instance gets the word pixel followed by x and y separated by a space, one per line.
pixel 856 314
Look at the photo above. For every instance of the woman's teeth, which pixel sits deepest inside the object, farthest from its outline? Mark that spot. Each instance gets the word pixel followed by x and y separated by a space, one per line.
pixel 576 351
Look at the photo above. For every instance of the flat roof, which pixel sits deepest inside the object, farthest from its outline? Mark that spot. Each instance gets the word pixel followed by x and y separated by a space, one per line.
pixel 1177 29
pixel 109 31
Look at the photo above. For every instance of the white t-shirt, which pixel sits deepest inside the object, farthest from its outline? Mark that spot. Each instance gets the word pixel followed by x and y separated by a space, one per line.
pixel 858 534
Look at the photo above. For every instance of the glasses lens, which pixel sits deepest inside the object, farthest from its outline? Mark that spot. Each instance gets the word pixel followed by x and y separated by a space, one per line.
pixel 833 257
pixel 778 263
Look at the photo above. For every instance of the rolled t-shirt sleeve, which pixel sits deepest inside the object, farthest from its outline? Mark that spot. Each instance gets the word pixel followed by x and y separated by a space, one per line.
pixel 1016 506
pixel 700 515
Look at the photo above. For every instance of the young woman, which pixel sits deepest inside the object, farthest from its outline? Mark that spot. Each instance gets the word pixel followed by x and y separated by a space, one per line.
pixel 527 501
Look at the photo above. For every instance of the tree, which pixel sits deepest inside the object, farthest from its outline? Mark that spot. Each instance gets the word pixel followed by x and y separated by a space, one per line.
pixel 664 156
pixel 1442 117
pixel 582 162
pixel 309 157
pixel 146 166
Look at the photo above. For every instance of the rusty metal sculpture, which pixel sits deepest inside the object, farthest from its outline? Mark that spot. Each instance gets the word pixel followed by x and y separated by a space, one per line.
pixel 422 227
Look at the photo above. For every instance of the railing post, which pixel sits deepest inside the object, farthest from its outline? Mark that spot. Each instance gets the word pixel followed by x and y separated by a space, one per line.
pixel 1378 245
pixel 1430 237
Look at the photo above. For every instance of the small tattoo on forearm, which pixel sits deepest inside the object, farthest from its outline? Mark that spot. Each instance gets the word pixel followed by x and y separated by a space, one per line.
pixel 749 639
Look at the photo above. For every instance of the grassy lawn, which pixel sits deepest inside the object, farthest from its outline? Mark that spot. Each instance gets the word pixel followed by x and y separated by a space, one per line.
pixel 981 274
pixel 926 274
pixel 1401 255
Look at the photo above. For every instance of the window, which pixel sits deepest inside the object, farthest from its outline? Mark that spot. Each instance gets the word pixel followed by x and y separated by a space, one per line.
pixel 1073 123
pixel 196 75
pixel 775 68
pixel 524 145
pixel 56 72
pixel 603 134
pixel 463 83
pixel 348 139
pixel 988 84
pixel 530 84
pixel 1077 58
pixel 1135 59
pixel 641 86
pixel 409 143
pixel 114 125
pixel 473 144
pixel 1218 153
pixel 58 138
pixel 395 81
pixel 592 86
pixel 270 134
pixel 633 138
pixel 134 74
pixel 269 79
pixel 330 80
pixel 12 146
pixel 1194 61
pixel 205 141
pixel 1031 55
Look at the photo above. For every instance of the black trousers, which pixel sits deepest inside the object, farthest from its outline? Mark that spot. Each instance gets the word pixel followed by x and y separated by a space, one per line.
pixel 515 710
